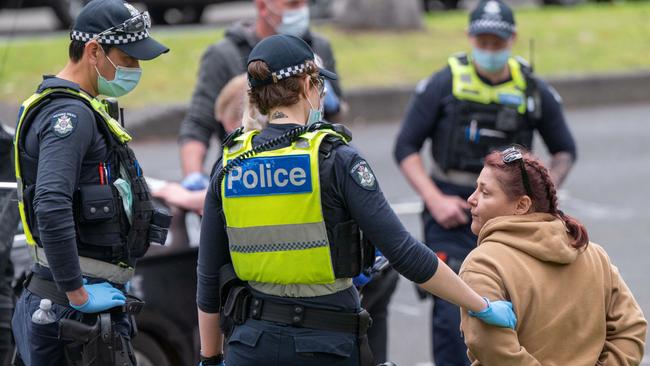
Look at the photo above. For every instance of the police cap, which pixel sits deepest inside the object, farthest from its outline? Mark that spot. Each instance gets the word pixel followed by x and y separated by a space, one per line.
pixel 285 56
pixel 492 17
pixel 120 24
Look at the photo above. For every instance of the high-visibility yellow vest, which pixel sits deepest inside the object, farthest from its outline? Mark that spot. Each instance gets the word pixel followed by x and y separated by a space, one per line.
pixel 468 86
pixel 113 126
pixel 272 205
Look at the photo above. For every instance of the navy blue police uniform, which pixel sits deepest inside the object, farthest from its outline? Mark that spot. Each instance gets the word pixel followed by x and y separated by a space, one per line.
pixel 435 113
pixel 346 195
pixel 64 156
pixel 75 169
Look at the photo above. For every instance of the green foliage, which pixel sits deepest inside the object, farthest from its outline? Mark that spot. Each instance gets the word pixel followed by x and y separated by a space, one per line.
pixel 593 38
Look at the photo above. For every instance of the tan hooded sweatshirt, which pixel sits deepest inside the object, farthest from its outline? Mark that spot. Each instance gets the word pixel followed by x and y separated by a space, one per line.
pixel 573 308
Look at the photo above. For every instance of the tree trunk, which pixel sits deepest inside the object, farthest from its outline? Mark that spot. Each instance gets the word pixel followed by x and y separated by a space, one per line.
pixel 381 15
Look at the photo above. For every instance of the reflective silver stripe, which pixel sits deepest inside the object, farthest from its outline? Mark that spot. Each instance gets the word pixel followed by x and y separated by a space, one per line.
pixel 278 247
pixel 301 290
pixel 277 238
pixel 92 267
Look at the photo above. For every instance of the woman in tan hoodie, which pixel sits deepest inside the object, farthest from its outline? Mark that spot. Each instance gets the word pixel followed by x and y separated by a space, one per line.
pixel 572 305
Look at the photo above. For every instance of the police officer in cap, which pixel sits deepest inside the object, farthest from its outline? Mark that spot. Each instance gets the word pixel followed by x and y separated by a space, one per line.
pixel 477 103
pixel 83 201
pixel 280 236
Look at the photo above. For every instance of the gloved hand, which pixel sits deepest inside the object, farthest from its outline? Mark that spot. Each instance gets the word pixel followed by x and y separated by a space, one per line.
pixel 101 296
pixel 361 280
pixel 497 313
pixel 196 181
pixel 331 102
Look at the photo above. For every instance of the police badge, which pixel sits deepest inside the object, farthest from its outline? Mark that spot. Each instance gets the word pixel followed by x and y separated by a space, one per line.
pixel 363 175
pixel 63 123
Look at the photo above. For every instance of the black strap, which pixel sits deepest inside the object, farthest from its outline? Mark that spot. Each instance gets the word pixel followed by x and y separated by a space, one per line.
pixel 300 316
pixel 46 289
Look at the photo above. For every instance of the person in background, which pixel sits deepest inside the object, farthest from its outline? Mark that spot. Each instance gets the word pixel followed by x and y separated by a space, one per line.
pixel 9 219
pixel 478 102
pixel 226 59
pixel 572 304
pixel 234 110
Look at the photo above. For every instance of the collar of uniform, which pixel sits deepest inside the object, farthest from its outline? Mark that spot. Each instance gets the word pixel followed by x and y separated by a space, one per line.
pixel 51 81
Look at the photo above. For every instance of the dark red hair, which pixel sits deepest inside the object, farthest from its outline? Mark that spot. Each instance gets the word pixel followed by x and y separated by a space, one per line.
pixel 542 188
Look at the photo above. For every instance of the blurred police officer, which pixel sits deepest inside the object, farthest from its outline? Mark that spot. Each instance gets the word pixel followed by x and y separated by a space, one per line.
pixel 226 59
pixel 83 200
pixel 280 239
pixel 8 224
pixel 478 102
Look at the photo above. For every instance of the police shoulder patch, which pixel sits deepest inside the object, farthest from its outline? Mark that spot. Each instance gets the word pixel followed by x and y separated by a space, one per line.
pixel 63 123
pixel 363 175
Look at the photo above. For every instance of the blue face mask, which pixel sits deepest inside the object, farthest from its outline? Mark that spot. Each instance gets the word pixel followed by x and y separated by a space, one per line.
pixel 316 115
pixel 294 22
pixel 491 61
pixel 126 78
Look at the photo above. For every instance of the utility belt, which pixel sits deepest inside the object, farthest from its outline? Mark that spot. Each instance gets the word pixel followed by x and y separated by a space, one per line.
pixel 92 267
pixel 47 289
pixel 242 305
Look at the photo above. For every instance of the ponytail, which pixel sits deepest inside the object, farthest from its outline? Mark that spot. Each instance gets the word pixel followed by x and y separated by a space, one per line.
pixel 575 228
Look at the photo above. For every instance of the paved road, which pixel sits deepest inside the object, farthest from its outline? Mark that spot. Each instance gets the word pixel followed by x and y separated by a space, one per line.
pixel 607 190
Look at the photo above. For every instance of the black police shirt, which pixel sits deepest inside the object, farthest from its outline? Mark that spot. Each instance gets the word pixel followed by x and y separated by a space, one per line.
pixel 69 147
pixel 349 190
pixel 433 95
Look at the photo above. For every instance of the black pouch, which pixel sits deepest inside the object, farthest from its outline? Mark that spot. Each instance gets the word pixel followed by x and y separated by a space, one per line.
pixel 235 310
pixel 345 242
pixel 97 215
pixel 96 203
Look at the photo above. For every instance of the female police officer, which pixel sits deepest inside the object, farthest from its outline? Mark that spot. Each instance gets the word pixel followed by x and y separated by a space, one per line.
pixel 284 208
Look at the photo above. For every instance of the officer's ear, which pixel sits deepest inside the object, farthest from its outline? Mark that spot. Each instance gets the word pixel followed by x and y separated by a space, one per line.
pixel 92 52
pixel 306 84
pixel 512 40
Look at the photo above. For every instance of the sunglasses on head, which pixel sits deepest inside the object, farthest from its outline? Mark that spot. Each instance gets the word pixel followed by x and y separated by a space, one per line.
pixel 512 155
pixel 136 24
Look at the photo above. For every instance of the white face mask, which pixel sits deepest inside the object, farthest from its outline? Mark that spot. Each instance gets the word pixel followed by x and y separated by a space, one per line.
pixel 295 22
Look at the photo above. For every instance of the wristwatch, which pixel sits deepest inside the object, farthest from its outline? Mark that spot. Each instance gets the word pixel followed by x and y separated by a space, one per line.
pixel 212 360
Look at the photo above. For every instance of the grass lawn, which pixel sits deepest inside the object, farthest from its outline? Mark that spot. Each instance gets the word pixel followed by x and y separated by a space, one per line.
pixel 594 38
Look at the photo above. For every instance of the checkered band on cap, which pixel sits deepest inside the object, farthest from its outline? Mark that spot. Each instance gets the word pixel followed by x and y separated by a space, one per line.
pixel 482 24
pixel 111 38
pixel 288 72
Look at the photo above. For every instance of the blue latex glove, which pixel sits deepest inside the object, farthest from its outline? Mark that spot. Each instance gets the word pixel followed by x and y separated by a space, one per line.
pixel 101 296
pixel 361 280
pixel 331 103
pixel 497 313
pixel 196 181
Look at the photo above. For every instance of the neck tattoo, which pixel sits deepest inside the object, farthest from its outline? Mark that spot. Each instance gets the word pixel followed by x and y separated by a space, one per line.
pixel 278 115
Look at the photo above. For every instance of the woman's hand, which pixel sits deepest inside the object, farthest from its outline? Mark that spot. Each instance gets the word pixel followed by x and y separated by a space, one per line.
pixel 498 313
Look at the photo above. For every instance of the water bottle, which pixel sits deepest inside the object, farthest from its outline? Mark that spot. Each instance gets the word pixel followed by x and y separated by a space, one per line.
pixel 44 314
